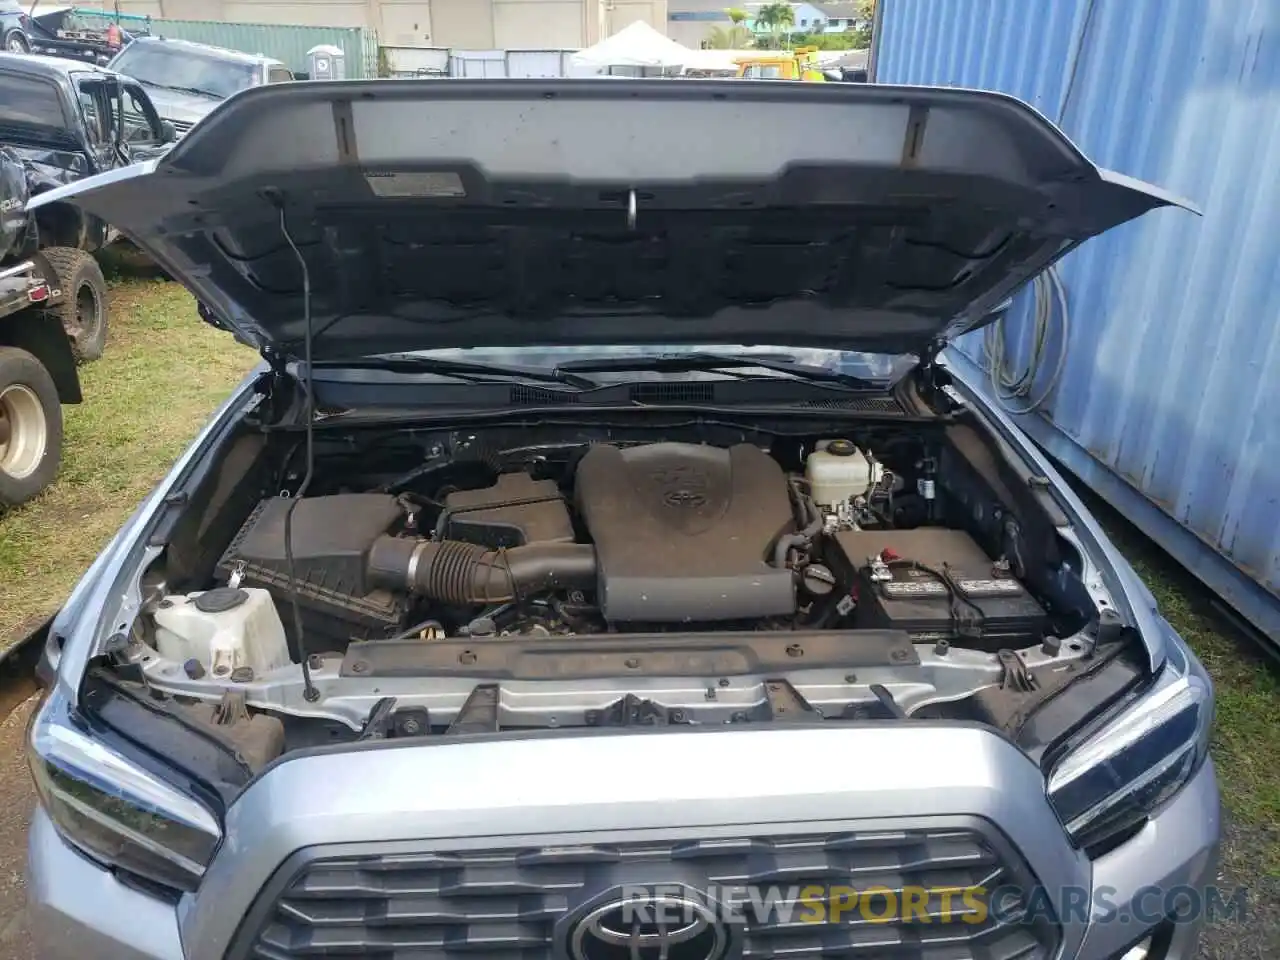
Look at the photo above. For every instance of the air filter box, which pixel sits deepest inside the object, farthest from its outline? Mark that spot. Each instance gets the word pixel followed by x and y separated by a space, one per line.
pixel 331 538
pixel 995 609
pixel 514 511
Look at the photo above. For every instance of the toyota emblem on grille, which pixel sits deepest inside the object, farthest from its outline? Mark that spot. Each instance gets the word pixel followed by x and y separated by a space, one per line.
pixel 665 926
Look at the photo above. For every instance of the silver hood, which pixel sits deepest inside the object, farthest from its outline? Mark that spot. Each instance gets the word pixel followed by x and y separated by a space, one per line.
pixel 456 213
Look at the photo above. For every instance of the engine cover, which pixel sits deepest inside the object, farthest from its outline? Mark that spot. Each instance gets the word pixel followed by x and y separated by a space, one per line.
pixel 683 532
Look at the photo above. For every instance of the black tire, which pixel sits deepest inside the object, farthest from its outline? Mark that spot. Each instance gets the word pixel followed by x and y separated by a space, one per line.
pixel 83 308
pixel 30 427
pixel 16 42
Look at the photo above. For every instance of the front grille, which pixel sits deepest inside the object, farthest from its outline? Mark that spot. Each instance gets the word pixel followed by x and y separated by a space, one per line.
pixel 505 903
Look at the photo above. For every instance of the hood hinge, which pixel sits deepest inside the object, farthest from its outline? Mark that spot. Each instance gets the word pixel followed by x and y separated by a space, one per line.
pixel 931 374
pixel 277 361
pixel 208 317
pixel 275 386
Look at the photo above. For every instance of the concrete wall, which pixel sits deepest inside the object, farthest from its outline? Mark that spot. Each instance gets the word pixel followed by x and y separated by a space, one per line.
pixel 500 24
pixel 406 23
pixel 691 21
pixel 622 13
pixel 537 24
pixel 474 24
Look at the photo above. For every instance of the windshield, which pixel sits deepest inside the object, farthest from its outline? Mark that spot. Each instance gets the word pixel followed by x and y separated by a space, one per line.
pixel 184 68
pixel 868 366
pixel 763 71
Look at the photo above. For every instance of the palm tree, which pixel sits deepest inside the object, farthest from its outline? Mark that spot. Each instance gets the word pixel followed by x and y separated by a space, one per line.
pixel 738 16
pixel 729 38
pixel 776 18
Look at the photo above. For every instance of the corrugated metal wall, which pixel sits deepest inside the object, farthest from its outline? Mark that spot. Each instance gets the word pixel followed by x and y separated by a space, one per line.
pixel 1168 402
pixel 288 44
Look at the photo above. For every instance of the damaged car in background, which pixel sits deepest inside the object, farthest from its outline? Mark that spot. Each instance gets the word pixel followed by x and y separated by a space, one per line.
pixel 605 513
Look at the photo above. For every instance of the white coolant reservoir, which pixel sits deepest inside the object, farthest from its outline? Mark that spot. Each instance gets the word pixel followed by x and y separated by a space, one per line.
pixel 223 629
pixel 838 471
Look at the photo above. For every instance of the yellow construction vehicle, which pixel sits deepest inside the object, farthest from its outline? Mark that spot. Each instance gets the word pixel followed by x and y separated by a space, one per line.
pixel 798 64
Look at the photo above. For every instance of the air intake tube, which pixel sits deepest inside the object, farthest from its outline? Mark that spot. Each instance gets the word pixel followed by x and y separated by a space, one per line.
pixel 465 574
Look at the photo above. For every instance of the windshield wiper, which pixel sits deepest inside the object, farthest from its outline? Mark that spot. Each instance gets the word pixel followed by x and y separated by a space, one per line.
pixel 196 90
pixel 672 362
pixel 472 371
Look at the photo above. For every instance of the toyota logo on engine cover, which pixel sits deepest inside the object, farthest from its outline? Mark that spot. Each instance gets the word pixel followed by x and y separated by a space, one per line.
pixel 658 926
pixel 684 498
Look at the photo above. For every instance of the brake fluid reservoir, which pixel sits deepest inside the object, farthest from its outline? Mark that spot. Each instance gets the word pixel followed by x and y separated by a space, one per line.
pixel 838 471
pixel 224 629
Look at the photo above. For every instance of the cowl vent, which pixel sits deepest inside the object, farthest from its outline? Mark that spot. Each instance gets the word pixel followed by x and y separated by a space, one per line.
pixel 679 392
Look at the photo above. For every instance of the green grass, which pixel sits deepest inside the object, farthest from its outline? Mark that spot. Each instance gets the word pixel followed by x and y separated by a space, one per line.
pixel 164 372
pixel 1246 747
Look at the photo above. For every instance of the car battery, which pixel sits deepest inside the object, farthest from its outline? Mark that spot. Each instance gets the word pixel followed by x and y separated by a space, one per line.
pixel 936 584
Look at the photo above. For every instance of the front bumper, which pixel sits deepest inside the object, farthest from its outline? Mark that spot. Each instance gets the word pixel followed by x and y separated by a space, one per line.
pixel 578 789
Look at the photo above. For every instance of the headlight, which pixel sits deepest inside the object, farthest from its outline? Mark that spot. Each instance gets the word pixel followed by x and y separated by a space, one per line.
pixel 1117 777
pixel 112 809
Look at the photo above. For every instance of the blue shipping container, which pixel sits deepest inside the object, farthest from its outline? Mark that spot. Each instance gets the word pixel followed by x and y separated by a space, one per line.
pixel 1168 399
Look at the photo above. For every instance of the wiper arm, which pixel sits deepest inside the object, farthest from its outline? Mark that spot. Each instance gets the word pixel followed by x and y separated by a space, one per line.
pixel 473 371
pixel 779 363
pixel 196 90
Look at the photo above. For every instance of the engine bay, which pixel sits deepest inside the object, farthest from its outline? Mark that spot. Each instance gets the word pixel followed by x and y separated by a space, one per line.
pixel 585 575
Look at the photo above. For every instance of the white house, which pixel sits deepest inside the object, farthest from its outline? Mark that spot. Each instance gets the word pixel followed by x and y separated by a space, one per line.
pixel 834 17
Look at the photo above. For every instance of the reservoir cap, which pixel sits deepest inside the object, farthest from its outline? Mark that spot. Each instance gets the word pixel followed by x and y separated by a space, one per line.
pixel 220 599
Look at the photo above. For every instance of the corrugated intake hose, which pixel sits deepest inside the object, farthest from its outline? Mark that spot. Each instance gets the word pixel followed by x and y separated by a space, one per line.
pixel 464 574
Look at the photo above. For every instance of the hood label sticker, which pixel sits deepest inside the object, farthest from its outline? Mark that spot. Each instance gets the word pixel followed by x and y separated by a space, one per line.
pixel 387 183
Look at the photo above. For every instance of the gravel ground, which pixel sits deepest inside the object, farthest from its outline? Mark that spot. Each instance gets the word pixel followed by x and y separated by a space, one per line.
pixel 1258 937
pixel 17 797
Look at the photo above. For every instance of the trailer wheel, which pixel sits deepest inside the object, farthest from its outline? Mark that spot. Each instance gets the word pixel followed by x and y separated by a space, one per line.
pixel 30 427
pixel 83 308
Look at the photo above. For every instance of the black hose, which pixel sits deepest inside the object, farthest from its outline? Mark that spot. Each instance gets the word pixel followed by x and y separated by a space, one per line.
pixel 805 536
pixel 469 458
pixel 465 574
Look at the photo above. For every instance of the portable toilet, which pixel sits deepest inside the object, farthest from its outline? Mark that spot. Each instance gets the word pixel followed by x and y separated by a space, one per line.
pixel 327 62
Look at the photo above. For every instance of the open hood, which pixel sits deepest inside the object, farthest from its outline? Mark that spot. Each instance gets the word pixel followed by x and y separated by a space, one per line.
pixel 510 213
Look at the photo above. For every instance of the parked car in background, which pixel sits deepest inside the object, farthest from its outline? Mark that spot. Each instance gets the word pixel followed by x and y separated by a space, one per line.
pixel 37 357
pixel 61 121
pixel 62 31
pixel 14 26
pixel 187 80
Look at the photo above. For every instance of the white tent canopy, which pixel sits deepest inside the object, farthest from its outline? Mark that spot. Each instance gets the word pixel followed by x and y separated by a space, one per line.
pixel 638 45
pixel 716 59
